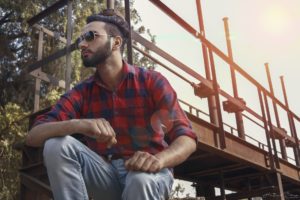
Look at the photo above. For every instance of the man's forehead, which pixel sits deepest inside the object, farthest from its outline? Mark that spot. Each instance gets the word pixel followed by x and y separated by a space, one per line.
pixel 94 26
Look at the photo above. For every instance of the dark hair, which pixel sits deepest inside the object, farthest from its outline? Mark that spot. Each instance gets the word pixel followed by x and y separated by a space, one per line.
pixel 115 24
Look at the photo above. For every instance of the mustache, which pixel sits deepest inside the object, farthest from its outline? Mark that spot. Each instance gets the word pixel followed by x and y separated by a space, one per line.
pixel 86 51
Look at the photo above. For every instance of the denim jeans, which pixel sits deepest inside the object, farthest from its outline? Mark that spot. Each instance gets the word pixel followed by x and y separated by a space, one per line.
pixel 76 172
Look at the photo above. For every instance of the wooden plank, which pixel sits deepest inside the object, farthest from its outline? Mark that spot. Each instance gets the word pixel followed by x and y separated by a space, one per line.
pixel 50 33
pixel 48 78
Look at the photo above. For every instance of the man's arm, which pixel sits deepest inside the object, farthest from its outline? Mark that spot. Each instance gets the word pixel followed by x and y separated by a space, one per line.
pixel 180 149
pixel 97 128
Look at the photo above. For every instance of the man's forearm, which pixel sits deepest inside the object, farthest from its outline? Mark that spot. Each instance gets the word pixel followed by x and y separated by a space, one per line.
pixel 177 152
pixel 40 133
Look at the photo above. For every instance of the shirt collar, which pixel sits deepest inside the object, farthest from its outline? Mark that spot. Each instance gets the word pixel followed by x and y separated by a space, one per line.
pixel 126 69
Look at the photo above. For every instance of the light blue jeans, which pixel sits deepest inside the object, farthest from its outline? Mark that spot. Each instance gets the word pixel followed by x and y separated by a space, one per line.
pixel 76 172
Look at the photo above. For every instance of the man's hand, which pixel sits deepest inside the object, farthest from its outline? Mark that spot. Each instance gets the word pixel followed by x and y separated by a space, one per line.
pixel 99 129
pixel 143 161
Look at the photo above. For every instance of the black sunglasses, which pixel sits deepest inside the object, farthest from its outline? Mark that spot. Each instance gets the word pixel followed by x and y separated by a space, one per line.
pixel 88 36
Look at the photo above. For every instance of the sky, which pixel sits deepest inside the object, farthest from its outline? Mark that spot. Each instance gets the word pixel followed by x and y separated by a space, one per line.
pixel 262 31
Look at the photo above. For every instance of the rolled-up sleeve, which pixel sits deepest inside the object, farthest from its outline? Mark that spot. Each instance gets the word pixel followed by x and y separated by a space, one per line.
pixel 173 119
pixel 67 107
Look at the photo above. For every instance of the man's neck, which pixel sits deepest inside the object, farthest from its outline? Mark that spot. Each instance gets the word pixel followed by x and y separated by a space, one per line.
pixel 110 72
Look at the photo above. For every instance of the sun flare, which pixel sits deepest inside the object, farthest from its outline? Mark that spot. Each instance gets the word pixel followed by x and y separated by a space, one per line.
pixel 276 19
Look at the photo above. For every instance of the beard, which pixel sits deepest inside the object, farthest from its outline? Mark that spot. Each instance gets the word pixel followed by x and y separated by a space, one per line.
pixel 99 57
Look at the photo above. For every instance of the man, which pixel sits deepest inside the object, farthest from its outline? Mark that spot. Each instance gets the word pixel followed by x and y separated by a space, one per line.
pixel 124 114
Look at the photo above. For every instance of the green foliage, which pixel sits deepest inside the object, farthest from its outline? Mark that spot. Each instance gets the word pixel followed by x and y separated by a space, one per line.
pixel 13 126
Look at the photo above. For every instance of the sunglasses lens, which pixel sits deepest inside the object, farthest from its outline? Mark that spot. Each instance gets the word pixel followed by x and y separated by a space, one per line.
pixel 77 42
pixel 89 36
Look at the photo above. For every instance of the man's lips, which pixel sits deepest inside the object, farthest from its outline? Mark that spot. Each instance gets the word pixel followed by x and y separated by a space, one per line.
pixel 86 53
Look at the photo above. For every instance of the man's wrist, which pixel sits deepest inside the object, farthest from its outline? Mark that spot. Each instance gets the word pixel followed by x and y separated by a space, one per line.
pixel 71 126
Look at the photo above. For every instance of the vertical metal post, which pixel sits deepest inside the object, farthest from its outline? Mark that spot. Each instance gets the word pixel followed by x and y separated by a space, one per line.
pixel 218 105
pixel 266 128
pixel 271 130
pixel 222 186
pixel 280 186
pixel 37 80
pixel 238 115
pixel 281 141
pixel 129 42
pixel 292 127
pixel 110 4
pixel 211 99
pixel 297 142
pixel 69 40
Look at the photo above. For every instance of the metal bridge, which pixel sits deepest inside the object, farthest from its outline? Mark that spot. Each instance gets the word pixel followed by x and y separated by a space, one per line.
pixel 227 157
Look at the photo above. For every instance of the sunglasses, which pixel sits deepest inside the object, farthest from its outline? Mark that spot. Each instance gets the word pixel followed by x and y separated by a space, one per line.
pixel 88 36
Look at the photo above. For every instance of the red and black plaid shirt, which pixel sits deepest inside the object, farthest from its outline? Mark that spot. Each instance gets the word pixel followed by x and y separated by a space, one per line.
pixel 143 111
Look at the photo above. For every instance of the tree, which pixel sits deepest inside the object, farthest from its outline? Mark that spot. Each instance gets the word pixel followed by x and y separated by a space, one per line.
pixel 18 49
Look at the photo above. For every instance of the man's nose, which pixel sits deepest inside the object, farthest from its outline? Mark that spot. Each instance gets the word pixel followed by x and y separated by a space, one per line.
pixel 82 44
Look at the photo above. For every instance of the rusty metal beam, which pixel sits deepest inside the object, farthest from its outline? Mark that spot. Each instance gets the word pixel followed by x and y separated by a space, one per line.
pixel 218 103
pixel 238 115
pixel 271 132
pixel 210 99
pixel 54 7
pixel 137 37
pixel 281 141
pixel 161 64
pixel 264 119
pixel 291 123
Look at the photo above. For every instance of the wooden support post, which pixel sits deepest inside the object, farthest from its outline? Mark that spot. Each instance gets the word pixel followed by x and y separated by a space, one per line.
pixel 37 80
pixel 69 40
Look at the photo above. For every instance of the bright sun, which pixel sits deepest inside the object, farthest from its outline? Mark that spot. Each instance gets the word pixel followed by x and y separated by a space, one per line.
pixel 276 19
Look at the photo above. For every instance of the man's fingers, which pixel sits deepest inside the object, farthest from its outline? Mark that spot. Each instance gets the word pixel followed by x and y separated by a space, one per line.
pixel 154 167
pixel 111 142
pixel 143 161
pixel 130 163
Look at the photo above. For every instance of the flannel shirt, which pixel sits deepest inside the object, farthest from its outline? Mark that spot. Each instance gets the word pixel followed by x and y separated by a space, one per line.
pixel 143 110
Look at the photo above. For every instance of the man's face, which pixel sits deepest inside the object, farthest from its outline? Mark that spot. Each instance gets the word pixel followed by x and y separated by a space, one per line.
pixel 95 52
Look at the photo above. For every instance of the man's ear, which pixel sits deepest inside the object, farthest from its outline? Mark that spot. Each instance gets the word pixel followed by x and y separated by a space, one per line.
pixel 117 42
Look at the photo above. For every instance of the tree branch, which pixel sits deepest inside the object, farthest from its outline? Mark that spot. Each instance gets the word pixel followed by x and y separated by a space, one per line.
pixel 4 18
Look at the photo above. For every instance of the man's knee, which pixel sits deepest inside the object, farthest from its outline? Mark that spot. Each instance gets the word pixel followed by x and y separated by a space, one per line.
pixel 55 147
pixel 147 186
pixel 139 179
